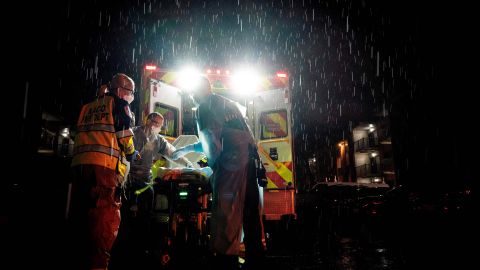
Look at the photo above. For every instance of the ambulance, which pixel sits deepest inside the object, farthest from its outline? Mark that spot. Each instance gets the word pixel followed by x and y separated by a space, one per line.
pixel 265 101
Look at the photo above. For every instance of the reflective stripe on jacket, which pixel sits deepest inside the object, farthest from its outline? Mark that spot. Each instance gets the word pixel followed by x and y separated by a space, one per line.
pixel 97 141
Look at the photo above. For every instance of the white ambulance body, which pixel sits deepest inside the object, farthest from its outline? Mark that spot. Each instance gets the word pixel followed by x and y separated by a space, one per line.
pixel 268 111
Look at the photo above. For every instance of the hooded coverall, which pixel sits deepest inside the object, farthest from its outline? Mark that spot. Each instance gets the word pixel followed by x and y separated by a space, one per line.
pixel 227 141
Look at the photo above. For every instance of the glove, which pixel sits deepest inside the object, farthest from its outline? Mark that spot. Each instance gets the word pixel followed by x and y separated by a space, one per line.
pixel 262 176
pixel 207 171
pixel 134 156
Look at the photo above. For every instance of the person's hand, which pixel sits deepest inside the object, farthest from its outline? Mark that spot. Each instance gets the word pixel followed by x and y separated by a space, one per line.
pixel 134 156
pixel 262 176
pixel 207 171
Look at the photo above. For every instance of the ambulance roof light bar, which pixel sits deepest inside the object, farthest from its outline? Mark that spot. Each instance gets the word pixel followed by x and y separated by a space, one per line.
pixel 217 71
pixel 151 67
pixel 281 74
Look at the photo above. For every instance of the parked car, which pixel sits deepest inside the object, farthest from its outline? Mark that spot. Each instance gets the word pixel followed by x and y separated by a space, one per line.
pixel 456 202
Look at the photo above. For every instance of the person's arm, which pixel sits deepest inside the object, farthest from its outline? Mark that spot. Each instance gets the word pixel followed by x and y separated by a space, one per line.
pixel 123 132
pixel 167 149
pixel 210 122
pixel 182 151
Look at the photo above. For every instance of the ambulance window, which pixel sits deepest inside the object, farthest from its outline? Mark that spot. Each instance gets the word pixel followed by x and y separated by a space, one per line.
pixel 273 124
pixel 170 124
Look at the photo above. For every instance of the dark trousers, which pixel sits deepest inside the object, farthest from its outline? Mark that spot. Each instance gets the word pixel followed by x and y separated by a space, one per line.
pixel 136 221
pixel 252 223
pixel 134 242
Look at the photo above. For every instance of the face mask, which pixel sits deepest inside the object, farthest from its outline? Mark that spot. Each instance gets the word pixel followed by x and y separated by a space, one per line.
pixel 128 98
pixel 156 130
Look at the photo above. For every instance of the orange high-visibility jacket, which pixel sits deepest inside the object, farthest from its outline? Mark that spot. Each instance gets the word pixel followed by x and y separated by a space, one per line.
pixel 103 134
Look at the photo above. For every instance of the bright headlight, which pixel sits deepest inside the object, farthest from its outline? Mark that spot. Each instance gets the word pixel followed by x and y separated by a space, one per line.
pixel 188 78
pixel 245 81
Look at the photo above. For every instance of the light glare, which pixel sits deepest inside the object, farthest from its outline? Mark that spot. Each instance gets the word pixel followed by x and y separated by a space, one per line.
pixel 245 82
pixel 188 78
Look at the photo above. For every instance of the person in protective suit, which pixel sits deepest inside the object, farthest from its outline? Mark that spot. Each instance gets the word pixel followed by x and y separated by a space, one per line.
pixel 152 146
pixel 229 145
pixel 103 147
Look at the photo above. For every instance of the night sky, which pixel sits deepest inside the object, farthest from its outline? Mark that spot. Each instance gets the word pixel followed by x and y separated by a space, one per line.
pixel 347 60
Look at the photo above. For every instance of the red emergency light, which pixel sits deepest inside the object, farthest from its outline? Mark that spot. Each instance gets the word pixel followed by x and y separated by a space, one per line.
pixel 281 74
pixel 150 67
pixel 218 71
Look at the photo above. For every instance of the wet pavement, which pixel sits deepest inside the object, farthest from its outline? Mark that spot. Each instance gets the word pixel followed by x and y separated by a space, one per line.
pixel 328 233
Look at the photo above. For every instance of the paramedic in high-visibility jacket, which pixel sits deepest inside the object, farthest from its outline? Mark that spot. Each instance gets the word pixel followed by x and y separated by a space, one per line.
pixel 103 147
pixel 229 145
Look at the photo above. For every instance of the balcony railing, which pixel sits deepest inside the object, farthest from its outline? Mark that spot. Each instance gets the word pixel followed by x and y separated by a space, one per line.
pixel 369 169
pixel 365 144
pixel 383 135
